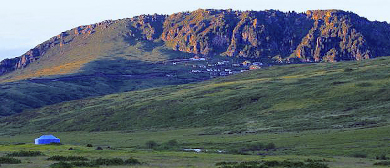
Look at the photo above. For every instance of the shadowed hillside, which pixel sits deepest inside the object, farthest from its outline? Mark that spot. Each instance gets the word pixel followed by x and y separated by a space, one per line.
pixel 281 98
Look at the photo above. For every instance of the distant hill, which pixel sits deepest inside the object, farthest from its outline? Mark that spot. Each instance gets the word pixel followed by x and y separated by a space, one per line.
pixel 139 53
pixel 315 36
pixel 279 98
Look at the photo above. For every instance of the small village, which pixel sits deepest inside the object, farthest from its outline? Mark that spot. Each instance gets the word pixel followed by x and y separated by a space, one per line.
pixel 217 67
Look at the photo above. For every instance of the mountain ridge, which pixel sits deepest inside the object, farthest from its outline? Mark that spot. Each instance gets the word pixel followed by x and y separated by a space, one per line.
pixel 271 35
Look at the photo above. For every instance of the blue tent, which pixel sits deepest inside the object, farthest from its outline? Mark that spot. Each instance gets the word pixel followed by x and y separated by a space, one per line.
pixel 46 139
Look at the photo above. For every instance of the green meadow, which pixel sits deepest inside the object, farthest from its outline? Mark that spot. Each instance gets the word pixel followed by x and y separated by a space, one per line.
pixel 335 113
pixel 339 148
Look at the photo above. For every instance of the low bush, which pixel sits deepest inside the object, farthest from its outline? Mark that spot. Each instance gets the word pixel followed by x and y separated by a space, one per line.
pixel 132 161
pixel 381 157
pixel 9 160
pixel 383 163
pixel 116 161
pixel 55 143
pixel 348 70
pixel 267 164
pixel 172 143
pixel 83 164
pixel 359 155
pixel 25 154
pixel 67 158
pixel 151 144
pixel 251 148
pixel 61 165
pixel 107 162
pixel 89 145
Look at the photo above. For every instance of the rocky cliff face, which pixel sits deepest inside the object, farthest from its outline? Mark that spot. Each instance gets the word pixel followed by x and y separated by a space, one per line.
pixel 338 35
pixel 314 36
pixel 232 33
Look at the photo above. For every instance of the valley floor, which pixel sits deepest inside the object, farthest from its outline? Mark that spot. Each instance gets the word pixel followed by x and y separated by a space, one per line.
pixel 338 148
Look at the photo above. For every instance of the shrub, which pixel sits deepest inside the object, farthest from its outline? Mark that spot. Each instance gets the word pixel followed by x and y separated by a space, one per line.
pixel 55 143
pixel 359 155
pixel 61 165
pixel 272 163
pixel 270 146
pixel 83 164
pixel 252 147
pixel 9 160
pixel 20 143
pixel 132 161
pixel 67 158
pixel 172 143
pixel 348 70
pixel 267 164
pixel 382 157
pixel 383 163
pixel 114 161
pixel 89 145
pixel 25 154
pixel 151 144
pixel 255 147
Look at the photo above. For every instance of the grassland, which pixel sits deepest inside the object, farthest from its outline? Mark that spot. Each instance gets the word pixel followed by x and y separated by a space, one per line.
pixel 335 146
pixel 277 99
pixel 337 112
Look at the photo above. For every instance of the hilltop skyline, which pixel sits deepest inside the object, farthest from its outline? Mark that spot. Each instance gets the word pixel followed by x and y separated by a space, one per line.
pixel 46 19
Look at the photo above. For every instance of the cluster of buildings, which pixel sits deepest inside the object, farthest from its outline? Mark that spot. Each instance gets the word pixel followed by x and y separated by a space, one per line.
pixel 217 68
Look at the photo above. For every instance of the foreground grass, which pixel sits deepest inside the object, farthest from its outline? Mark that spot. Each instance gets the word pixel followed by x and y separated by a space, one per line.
pixel 336 146
pixel 169 158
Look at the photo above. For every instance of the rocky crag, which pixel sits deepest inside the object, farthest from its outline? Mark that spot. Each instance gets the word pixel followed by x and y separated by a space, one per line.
pixel 272 36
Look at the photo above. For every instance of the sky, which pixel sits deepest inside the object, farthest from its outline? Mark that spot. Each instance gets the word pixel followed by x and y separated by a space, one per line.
pixel 27 23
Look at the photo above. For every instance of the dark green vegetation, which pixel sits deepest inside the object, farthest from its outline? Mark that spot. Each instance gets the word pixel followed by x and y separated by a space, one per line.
pixel 277 99
pixel 382 163
pixel 266 164
pixel 9 160
pixel 81 162
pixel 67 158
pixel 251 148
pixel 25 154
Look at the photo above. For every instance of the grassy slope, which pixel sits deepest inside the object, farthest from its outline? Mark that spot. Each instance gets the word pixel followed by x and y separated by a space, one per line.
pixel 281 98
pixel 107 51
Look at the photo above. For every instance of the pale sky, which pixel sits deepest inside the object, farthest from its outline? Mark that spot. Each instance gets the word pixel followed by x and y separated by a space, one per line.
pixel 27 23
